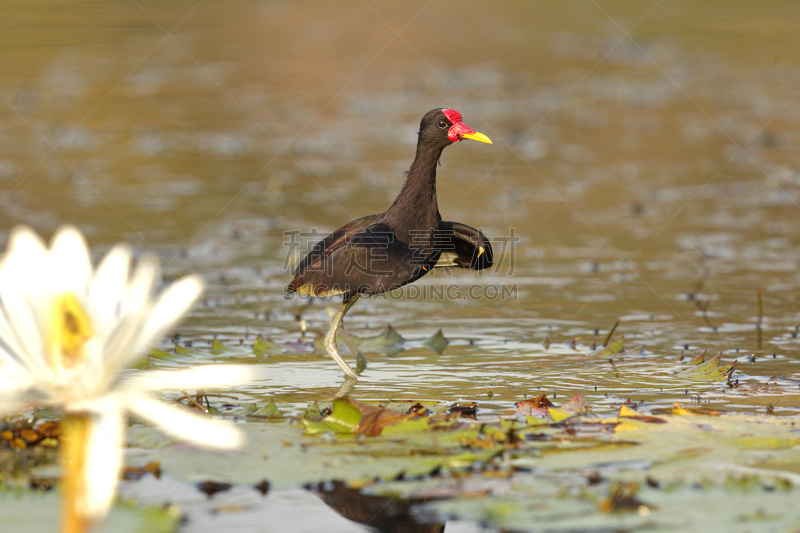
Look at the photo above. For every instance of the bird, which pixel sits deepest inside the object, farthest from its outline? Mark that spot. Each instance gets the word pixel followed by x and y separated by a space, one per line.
pixel 382 252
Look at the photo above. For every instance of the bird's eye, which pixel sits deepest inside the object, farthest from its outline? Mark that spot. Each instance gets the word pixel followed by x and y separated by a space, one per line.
pixel 442 124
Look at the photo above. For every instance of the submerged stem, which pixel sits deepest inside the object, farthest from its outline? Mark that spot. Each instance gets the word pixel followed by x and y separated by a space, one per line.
pixel 75 436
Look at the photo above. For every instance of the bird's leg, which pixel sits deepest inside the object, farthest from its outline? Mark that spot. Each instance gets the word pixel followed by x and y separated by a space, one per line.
pixel 361 361
pixel 330 338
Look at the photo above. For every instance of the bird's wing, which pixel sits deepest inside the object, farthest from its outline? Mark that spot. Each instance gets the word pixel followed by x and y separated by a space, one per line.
pixel 465 246
pixel 325 246
pixel 369 260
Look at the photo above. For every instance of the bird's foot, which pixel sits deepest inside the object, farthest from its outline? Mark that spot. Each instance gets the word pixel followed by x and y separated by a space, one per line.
pixel 330 346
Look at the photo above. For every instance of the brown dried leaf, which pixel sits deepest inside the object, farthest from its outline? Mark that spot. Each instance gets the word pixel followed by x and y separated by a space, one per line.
pixel 577 405
pixel 51 429
pixel 30 435
pixel 538 403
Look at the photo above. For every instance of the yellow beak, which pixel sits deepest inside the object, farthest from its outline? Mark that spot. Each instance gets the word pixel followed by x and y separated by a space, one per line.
pixel 477 136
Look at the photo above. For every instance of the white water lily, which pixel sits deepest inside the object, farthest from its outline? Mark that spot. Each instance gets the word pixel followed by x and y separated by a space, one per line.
pixel 66 332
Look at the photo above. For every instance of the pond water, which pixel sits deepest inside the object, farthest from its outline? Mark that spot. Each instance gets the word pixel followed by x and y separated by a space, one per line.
pixel 644 172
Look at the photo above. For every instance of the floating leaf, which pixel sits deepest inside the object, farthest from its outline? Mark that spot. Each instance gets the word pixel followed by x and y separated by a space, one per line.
pixel 343 418
pixel 313 412
pixel 577 405
pixel 699 359
pixel 217 347
pixel 627 412
pixel 405 425
pixel 265 347
pixel 436 342
pixel 679 410
pixel 464 460
pixel 538 405
pixel 708 371
pixel 268 411
pixel 537 420
pixel 183 350
pixel 388 341
pixel 559 414
pixel 34 511
pixel 360 418
pixel 374 419
pixel 614 348
pixel 160 354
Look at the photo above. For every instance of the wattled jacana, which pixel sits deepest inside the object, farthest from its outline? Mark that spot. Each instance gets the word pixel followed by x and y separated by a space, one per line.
pixel 378 253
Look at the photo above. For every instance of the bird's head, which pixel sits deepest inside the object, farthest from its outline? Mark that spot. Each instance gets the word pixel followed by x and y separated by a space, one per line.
pixel 445 125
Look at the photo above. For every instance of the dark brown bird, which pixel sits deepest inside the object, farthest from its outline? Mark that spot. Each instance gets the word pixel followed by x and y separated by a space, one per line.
pixel 378 253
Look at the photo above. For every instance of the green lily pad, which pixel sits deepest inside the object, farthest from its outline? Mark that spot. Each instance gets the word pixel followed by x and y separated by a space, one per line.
pixel 615 348
pixel 388 341
pixel 26 511
pixel 711 370
pixel 344 418
pixel 217 347
pixel 436 342
pixel 265 347
pixel 268 411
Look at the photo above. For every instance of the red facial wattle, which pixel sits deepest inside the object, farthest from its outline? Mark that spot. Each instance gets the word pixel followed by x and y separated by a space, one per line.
pixel 458 126
pixel 459 131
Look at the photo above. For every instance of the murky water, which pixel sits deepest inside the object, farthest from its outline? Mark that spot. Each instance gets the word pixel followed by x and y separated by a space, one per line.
pixel 644 170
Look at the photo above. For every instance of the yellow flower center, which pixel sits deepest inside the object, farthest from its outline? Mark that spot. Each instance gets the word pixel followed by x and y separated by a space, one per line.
pixel 70 328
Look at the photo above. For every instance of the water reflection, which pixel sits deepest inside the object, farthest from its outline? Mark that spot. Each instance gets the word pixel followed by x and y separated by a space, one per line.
pixel 245 508
pixel 383 514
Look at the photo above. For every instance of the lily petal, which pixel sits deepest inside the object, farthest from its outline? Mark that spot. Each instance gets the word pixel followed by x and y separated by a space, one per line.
pixel 21 305
pixel 120 339
pixel 70 261
pixel 107 290
pixel 186 425
pixel 198 377
pixel 145 280
pixel 11 350
pixel 173 304
pixel 28 254
pixel 104 451
pixel 23 236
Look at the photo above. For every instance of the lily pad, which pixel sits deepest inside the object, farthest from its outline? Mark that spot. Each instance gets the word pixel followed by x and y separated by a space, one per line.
pixel 711 370
pixel 39 512
pixel 437 342
pixel 265 347
pixel 268 411
pixel 615 348
pixel 217 347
